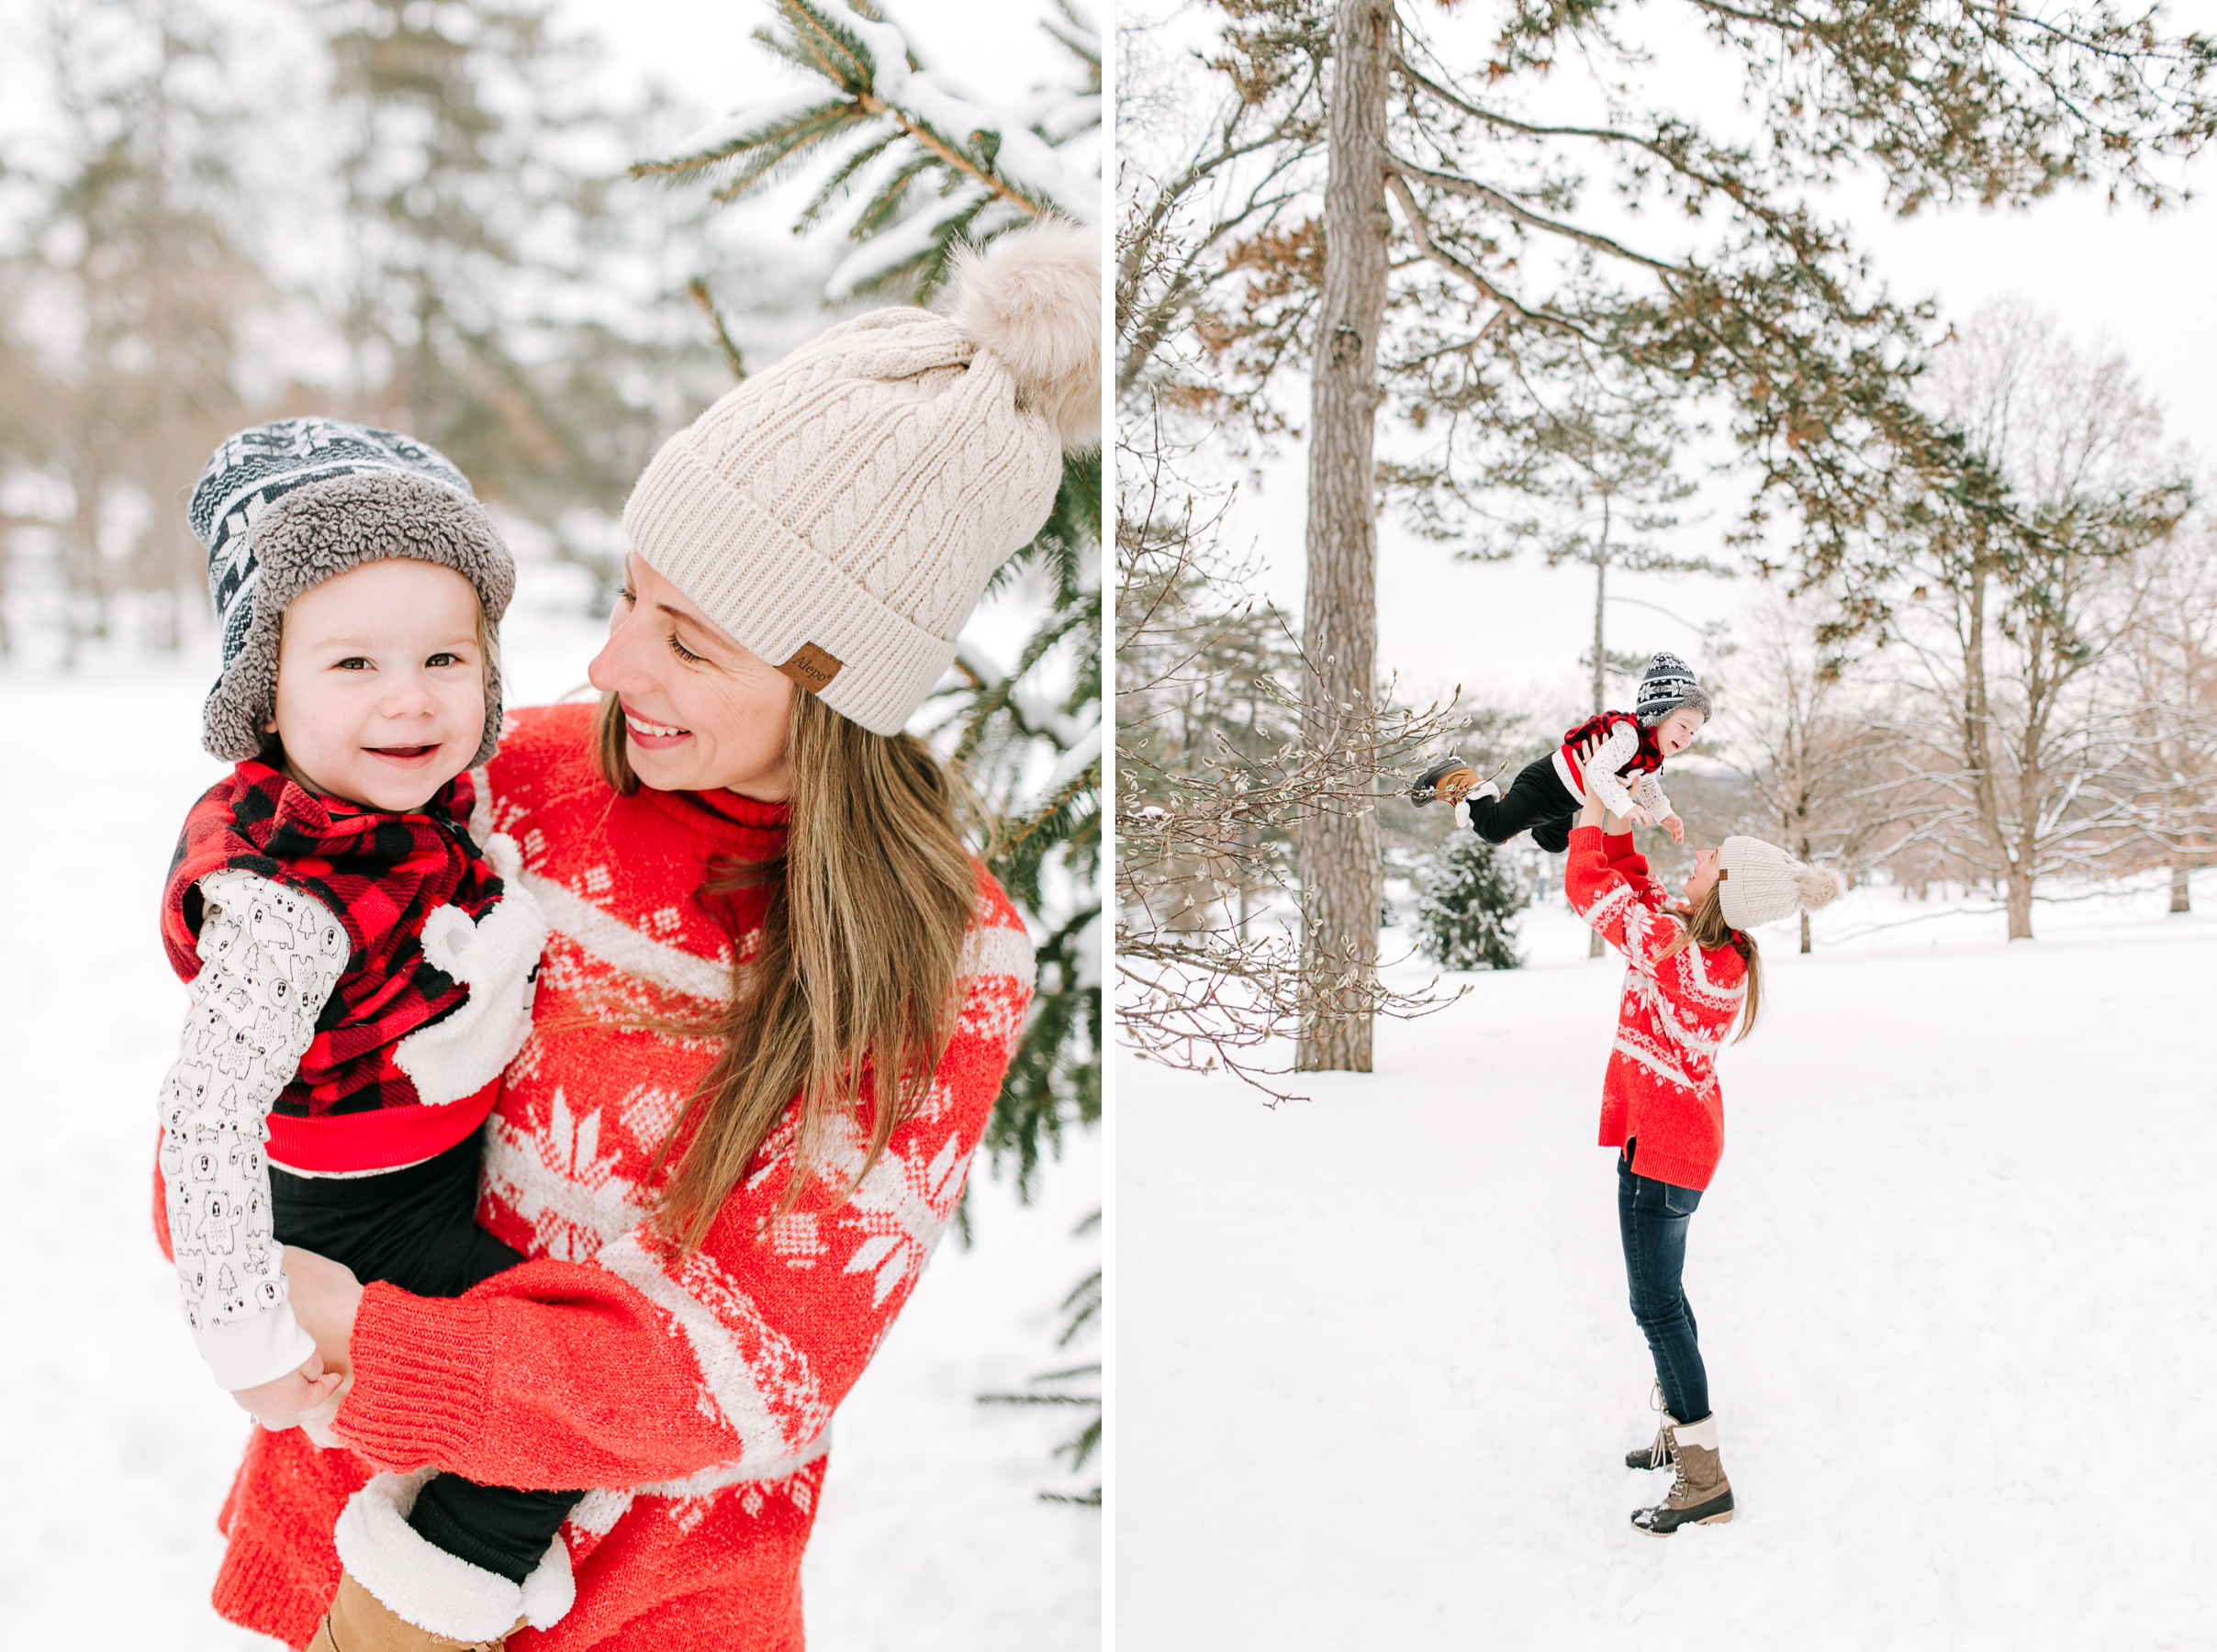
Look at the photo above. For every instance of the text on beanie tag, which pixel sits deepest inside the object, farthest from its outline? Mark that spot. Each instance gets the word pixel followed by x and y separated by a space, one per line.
pixel 812 667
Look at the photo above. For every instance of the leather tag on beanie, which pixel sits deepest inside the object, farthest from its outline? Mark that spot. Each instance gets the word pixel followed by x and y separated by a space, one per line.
pixel 812 667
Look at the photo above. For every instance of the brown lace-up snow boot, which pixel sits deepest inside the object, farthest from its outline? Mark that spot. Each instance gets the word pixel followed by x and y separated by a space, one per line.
pixel 359 1622
pixel 1657 1456
pixel 1700 1495
pixel 1450 780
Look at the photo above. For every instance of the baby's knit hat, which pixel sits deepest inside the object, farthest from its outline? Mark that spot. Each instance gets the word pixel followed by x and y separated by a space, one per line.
pixel 1762 883
pixel 1666 685
pixel 290 504
pixel 840 513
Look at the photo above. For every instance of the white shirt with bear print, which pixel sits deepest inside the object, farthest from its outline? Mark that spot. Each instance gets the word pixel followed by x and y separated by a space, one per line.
pixel 270 959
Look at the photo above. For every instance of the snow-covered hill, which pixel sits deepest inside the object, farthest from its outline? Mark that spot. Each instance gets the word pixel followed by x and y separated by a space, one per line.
pixel 1376 1372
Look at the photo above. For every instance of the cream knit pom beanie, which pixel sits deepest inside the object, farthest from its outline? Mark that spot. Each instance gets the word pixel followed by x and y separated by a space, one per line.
pixel 1762 883
pixel 840 513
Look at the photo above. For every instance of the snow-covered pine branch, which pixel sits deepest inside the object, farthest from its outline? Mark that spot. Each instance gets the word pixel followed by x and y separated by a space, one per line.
pixel 930 164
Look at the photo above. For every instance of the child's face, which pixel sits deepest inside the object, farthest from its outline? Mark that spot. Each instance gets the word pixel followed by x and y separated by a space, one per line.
pixel 1677 732
pixel 381 683
pixel 700 711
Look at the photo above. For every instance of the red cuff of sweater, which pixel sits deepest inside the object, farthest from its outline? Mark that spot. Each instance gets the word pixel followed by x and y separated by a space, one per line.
pixel 422 1367
pixel 1597 837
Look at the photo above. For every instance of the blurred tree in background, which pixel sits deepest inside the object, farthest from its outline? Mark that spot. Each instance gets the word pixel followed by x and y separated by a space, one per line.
pixel 430 229
pixel 128 290
pixel 487 306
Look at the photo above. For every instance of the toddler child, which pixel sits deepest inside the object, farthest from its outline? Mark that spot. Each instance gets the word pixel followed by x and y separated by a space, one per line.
pixel 1624 772
pixel 360 970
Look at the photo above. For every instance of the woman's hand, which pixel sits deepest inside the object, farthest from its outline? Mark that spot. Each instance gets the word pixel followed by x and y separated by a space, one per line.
pixel 324 1295
pixel 1596 813
pixel 317 1424
pixel 1593 814
pixel 288 1400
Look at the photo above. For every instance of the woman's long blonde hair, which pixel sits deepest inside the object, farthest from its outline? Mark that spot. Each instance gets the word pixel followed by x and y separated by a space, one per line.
pixel 1705 927
pixel 854 971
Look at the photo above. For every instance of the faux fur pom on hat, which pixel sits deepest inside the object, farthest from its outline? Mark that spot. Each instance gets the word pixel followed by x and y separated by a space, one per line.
pixel 1764 884
pixel 1032 298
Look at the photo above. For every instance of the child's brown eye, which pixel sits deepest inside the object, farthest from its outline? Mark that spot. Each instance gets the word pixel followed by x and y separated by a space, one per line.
pixel 438 660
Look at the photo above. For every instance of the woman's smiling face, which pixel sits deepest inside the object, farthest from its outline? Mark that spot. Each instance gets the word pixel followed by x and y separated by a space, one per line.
pixel 700 711
pixel 1703 877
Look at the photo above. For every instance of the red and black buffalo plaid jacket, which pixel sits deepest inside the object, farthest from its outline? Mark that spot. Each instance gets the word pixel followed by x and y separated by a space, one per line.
pixel 380 875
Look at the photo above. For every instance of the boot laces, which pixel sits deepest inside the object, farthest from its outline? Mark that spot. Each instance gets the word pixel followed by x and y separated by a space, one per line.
pixel 1665 1448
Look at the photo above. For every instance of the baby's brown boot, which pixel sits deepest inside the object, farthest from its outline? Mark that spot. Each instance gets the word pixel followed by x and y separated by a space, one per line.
pixel 359 1622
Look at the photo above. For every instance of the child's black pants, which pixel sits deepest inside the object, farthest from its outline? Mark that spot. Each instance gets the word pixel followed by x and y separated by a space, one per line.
pixel 417 1229
pixel 1537 801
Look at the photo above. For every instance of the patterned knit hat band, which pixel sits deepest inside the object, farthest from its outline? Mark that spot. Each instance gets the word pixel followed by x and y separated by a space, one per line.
pixel 1667 684
pixel 840 513
pixel 287 505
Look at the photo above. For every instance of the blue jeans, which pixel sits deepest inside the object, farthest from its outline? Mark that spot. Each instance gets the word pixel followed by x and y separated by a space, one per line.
pixel 1653 1216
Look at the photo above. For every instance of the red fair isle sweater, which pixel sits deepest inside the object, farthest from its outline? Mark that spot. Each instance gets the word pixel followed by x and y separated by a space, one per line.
pixel 1661 1082
pixel 694 1391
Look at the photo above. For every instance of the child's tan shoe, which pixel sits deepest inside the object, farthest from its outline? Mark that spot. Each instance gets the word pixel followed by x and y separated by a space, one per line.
pixel 359 1622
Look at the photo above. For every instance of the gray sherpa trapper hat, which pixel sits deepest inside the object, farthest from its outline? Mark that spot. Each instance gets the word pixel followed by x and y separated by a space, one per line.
pixel 1667 684
pixel 290 504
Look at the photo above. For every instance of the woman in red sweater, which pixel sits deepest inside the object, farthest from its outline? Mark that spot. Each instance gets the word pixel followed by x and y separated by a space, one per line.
pixel 1694 971
pixel 773 1014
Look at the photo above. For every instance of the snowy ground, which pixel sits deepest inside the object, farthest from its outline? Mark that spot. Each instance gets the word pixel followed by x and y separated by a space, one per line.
pixel 931 1534
pixel 1375 1372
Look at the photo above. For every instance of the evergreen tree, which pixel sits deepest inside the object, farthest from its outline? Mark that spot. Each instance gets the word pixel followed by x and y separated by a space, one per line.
pixel 935 168
pixel 488 308
pixel 1467 902
pixel 134 247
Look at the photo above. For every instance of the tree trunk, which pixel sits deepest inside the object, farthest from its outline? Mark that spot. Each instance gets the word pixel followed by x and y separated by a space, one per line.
pixel 1805 916
pixel 1593 947
pixel 163 563
pixel 2181 896
pixel 2016 880
pixel 2018 901
pixel 1342 878
pixel 1601 652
